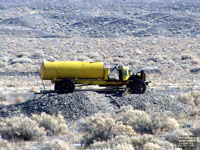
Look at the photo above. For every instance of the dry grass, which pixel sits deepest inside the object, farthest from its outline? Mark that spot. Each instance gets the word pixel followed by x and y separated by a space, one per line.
pixel 54 125
pixel 20 127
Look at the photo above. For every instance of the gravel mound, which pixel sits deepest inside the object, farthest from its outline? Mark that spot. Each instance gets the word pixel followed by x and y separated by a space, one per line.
pixel 80 104
pixel 155 101
pixel 72 106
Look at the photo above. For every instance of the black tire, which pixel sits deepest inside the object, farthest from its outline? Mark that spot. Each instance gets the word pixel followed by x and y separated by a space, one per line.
pixel 138 86
pixel 57 86
pixel 66 86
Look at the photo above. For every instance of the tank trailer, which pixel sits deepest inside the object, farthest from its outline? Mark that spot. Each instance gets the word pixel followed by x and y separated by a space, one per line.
pixel 67 75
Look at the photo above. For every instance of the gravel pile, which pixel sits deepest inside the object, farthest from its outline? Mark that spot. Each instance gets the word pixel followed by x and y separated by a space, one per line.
pixel 81 104
pixel 72 106
pixel 155 101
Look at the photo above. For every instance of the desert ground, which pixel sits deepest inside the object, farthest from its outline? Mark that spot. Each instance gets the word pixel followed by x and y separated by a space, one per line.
pixel 160 37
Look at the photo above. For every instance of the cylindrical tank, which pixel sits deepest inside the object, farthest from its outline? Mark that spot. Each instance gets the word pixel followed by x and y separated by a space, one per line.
pixel 71 70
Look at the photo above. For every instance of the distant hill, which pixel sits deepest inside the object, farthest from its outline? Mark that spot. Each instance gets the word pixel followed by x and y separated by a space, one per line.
pixel 42 18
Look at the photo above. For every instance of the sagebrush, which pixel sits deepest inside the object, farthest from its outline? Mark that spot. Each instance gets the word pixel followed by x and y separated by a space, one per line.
pixel 20 127
pixel 53 124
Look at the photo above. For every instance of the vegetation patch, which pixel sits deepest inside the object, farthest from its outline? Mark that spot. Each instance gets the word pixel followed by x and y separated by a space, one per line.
pixel 56 145
pixel 54 125
pixel 144 123
pixel 20 127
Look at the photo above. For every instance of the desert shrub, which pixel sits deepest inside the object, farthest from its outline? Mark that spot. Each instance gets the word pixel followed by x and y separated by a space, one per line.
pixel 20 127
pixel 195 131
pixel 103 145
pixel 170 124
pixel 138 142
pixel 123 147
pixel 55 125
pixel 3 100
pixel 97 120
pixel 187 99
pixel 196 96
pixel 151 146
pixel 192 99
pixel 149 142
pixel 182 138
pixel 4 145
pixel 144 123
pixel 56 145
pixel 102 127
pixel 161 123
pixel 120 129
pixel 138 119
pixel 121 142
pixel 19 99
pixel 174 137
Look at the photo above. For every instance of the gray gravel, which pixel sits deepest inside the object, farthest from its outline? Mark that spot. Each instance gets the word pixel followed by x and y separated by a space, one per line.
pixel 72 106
pixel 80 104
pixel 155 101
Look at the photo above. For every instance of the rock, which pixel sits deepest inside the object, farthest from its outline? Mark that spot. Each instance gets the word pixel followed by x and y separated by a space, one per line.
pixel 195 70
pixel 20 60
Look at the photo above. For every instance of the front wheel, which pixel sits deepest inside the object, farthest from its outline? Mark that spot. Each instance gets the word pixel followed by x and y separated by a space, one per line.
pixel 138 86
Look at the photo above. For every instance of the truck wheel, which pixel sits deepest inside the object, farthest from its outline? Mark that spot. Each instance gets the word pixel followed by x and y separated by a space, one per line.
pixel 137 86
pixel 57 86
pixel 67 86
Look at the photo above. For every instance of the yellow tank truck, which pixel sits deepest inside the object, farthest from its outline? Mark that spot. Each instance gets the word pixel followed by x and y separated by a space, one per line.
pixel 66 75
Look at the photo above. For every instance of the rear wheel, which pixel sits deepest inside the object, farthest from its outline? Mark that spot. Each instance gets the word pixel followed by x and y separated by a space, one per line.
pixel 64 86
pixel 138 86
pixel 57 86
